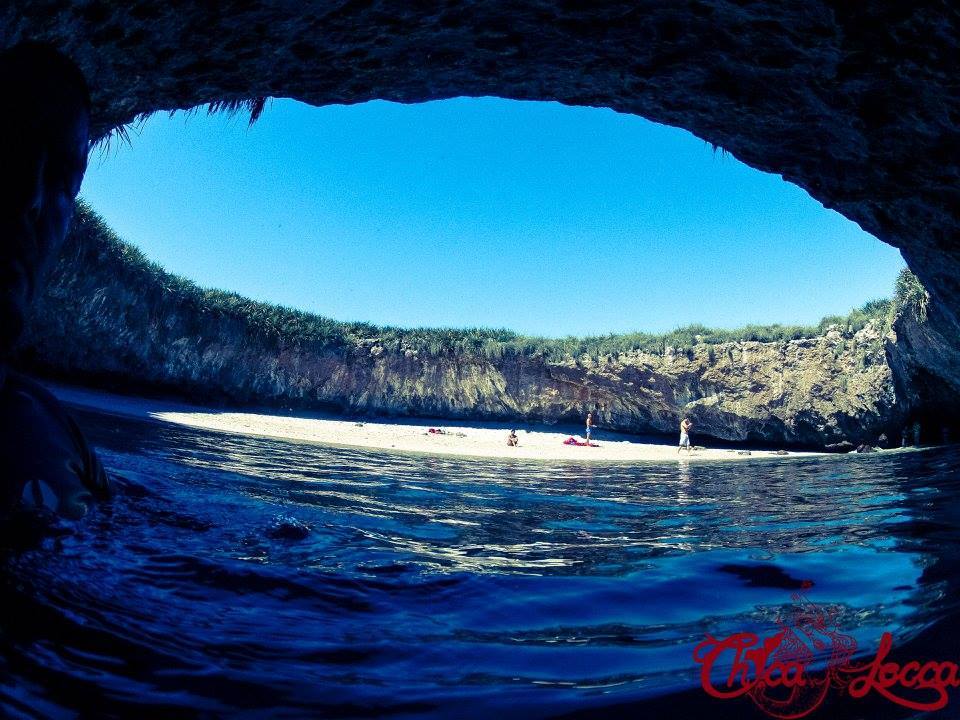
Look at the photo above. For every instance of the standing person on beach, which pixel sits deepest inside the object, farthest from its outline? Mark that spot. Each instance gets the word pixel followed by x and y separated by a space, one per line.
pixel 685 426
pixel 589 426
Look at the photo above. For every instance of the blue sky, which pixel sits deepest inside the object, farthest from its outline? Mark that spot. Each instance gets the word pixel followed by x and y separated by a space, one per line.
pixel 546 219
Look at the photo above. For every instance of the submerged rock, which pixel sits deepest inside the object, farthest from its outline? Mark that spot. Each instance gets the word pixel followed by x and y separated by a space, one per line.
pixel 288 528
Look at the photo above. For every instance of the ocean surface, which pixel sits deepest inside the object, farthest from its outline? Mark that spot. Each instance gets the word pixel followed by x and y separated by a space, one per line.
pixel 248 577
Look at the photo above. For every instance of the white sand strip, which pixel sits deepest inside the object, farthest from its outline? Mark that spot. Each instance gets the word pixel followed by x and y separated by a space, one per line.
pixel 470 439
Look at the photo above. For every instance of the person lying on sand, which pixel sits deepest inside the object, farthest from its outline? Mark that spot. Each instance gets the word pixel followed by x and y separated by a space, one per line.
pixel 573 441
pixel 441 431
pixel 44 141
pixel 512 439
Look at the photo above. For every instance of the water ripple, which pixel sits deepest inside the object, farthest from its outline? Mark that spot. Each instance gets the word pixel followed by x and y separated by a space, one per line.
pixel 403 584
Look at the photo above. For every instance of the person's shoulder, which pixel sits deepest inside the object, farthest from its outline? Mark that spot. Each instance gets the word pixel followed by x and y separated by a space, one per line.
pixel 92 472
pixel 18 383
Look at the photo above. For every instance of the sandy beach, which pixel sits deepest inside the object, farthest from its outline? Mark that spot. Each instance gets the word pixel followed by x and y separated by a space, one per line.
pixel 460 438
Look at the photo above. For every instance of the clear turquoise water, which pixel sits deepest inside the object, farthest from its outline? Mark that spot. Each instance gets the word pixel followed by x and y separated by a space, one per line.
pixel 450 587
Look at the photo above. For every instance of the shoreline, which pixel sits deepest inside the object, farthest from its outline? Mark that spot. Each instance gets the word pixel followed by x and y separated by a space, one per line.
pixel 471 439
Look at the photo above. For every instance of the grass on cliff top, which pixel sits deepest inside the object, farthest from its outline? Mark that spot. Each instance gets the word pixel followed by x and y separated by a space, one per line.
pixel 909 296
pixel 120 260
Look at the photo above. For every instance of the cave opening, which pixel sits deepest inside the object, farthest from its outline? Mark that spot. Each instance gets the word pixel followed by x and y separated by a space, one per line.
pixel 813 93
pixel 587 228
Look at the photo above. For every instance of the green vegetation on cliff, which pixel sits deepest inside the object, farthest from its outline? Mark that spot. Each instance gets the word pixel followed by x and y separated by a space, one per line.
pixel 110 318
pixel 909 296
pixel 289 326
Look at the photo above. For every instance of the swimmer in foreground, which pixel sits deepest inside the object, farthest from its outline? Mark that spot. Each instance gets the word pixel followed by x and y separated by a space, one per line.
pixel 44 141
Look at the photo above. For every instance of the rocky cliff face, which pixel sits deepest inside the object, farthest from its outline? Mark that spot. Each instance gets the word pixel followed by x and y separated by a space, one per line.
pixel 857 103
pixel 925 361
pixel 104 319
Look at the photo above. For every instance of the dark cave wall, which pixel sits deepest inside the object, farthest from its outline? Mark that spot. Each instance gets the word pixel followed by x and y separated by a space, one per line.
pixel 857 103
